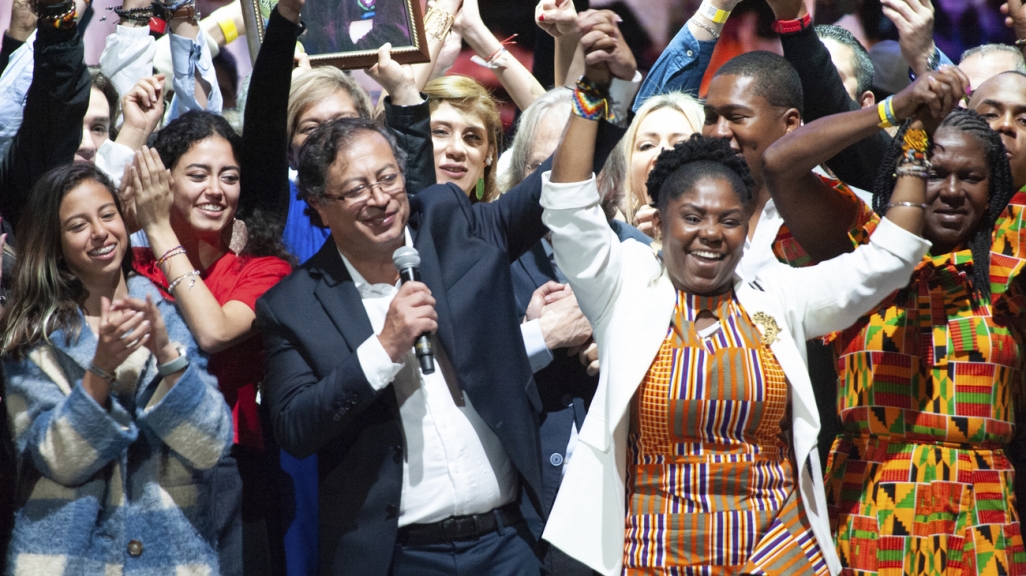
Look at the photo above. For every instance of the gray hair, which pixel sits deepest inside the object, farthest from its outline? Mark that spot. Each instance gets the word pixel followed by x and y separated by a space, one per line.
pixel 989 49
pixel 323 147
pixel 527 126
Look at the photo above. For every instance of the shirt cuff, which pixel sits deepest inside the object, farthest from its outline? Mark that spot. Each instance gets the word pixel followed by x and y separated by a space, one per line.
pixel 377 366
pixel 621 95
pixel 534 343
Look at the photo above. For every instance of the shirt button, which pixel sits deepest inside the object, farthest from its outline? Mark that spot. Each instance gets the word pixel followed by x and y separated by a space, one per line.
pixel 568 400
pixel 556 459
pixel 135 548
pixel 690 53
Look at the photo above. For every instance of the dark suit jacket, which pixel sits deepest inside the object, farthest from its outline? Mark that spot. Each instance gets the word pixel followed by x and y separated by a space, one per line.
pixel 313 322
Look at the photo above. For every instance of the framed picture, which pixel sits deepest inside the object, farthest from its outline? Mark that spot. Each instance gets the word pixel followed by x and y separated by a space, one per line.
pixel 347 33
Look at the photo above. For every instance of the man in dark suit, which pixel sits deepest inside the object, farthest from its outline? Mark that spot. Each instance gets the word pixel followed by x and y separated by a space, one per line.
pixel 418 473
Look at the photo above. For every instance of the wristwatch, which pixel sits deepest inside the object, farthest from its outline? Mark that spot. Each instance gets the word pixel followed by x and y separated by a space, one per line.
pixel 792 26
pixel 932 63
pixel 175 365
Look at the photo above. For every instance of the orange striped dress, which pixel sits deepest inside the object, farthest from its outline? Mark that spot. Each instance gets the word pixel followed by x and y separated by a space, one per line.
pixel 710 482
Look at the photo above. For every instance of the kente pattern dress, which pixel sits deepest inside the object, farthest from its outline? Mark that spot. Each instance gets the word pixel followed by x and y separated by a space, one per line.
pixel 929 384
pixel 710 486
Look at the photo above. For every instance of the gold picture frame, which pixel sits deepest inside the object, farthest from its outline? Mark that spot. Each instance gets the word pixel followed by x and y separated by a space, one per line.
pixel 347 33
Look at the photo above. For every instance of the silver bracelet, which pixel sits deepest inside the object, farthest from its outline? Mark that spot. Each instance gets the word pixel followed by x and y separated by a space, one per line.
pixel 101 373
pixel 174 284
pixel 705 27
pixel 906 204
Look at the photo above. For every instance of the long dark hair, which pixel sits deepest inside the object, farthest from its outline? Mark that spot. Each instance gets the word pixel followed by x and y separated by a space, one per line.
pixel 263 230
pixel 46 295
pixel 1001 186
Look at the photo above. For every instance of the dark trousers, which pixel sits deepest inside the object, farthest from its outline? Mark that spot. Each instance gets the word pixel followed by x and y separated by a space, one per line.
pixel 509 551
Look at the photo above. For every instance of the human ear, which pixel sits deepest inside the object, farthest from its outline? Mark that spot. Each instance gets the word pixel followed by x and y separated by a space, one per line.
pixel 867 99
pixel 792 120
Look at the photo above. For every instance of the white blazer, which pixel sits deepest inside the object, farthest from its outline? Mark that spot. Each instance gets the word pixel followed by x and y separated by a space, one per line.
pixel 625 292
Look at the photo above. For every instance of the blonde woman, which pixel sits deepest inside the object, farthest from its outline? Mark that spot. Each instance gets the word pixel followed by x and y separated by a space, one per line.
pixel 660 123
pixel 466 131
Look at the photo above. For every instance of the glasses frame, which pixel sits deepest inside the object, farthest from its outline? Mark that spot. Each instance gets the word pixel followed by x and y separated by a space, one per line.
pixel 355 195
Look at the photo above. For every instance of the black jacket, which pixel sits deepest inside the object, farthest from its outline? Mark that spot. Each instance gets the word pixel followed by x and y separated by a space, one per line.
pixel 51 130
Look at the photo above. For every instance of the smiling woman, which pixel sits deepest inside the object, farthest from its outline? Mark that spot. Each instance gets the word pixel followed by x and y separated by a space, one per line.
pixel 188 214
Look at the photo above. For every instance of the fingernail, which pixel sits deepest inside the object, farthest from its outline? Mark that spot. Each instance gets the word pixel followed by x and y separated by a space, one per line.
pixel 968 90
pixel 618 19
pixel 541 17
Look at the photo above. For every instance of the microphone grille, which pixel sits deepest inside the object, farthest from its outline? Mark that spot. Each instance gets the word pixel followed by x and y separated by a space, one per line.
pixel 406 257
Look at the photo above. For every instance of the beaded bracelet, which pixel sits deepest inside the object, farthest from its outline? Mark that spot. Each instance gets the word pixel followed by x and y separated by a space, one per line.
pixel 170 254
pixel 915 139
pixel 138 15
pixel 590 102
pixel 174 284
pixel 58 15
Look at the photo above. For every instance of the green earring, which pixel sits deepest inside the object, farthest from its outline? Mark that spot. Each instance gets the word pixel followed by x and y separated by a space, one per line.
pixel 480 188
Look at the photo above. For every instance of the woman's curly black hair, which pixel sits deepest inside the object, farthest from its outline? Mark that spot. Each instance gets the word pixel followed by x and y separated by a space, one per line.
pixel 1001 185
pixel 703 157
pixel 263 230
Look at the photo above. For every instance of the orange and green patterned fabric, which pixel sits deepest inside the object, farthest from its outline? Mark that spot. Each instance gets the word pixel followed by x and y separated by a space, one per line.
pixel 929 385
pixel 710 483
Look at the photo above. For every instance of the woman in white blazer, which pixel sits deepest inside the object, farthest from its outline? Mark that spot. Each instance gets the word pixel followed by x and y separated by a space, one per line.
pixel 631 295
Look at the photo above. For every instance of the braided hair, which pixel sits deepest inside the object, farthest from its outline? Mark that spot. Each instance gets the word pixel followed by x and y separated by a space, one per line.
pixel 1001 187
pixel 678 169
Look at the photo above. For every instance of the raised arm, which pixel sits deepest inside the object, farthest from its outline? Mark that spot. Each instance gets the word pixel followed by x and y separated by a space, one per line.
pixel 265 162
pixel 128 53
pixel 195 80
pixel 518 81
pixel 55 105
pixel 683 63
pixel 813 215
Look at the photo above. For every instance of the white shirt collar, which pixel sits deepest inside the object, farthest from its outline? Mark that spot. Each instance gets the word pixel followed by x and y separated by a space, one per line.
pixel 366 289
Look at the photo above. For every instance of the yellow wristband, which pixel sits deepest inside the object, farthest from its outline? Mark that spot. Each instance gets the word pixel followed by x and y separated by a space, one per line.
pixel 714 14
pixel 229 30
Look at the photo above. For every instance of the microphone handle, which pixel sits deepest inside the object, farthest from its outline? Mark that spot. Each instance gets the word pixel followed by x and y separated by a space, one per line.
pixel 425 352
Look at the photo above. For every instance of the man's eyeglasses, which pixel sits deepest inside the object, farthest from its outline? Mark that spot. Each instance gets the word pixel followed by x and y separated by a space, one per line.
pixel 390 184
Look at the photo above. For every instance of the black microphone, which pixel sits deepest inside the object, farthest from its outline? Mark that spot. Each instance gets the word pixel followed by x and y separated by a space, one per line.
pixel 407 261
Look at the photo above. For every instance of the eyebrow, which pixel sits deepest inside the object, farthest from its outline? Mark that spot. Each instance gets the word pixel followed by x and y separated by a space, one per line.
pixel 83 214
pixel 207 167
pixel 449 125
pixel 1019 108
pixel 364 178
pixel 727 108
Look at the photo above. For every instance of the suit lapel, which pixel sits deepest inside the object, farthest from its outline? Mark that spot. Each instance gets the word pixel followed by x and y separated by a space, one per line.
pixel 431 274
pixel 338 295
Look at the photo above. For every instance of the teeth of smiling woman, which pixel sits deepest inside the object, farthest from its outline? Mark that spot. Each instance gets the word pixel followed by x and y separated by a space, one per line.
pixel 211 207
pixel 102 251
pixel 704 254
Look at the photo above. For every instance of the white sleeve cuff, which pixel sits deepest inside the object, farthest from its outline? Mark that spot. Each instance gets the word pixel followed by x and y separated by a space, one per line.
pixel 111 159
pixel 377 366
pixel 568 195
pixel 534 342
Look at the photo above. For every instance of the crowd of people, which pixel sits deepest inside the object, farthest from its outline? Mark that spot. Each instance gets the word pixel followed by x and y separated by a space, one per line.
pixel 315 334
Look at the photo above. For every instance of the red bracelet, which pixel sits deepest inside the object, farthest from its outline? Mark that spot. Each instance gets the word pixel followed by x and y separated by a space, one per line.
pixel 792 26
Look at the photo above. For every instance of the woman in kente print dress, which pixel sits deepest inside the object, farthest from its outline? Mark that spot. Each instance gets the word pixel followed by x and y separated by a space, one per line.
pixel 929 383
pixel 681 465
pixel 918 482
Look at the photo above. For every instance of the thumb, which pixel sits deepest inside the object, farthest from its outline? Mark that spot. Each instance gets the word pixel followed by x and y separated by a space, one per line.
pixel 385 55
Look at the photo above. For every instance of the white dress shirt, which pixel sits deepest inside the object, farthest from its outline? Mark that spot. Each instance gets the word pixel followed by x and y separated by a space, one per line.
pixel 454 464
pixel 758 253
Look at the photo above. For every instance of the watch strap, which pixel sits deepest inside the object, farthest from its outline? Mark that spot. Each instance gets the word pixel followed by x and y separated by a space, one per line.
pixel 792 26
pixel 175 365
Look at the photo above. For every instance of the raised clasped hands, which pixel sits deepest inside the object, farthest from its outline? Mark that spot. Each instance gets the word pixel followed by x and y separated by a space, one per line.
pixel 932 96
pixel 158 342
pixel 605 51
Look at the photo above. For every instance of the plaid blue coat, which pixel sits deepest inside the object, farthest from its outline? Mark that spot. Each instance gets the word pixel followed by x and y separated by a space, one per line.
pixel 121 491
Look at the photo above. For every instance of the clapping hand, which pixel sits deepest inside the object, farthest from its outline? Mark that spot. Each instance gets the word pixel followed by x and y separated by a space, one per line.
pixel 152 185
pixel 119 334
pixel 158 343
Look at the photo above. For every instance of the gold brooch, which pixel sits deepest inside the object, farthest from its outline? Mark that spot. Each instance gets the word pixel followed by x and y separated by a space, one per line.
pixel 769 327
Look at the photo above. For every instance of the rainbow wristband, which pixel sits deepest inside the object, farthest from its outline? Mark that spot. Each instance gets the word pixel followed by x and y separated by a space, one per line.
pixel 590 103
